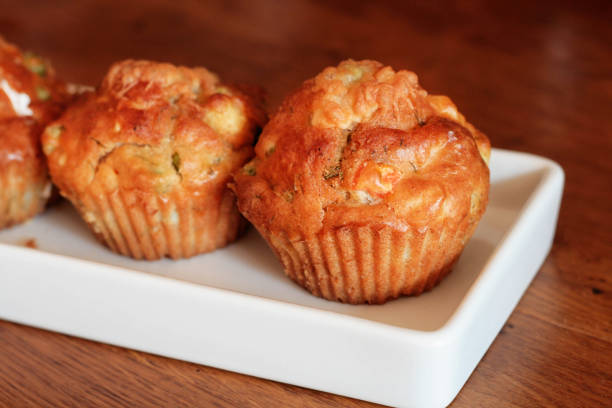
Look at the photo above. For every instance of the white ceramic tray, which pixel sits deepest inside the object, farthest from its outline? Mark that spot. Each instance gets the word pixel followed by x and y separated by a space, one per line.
pixel 234 308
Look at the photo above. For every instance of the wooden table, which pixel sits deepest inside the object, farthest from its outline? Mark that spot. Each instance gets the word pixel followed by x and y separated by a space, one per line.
pixel 535 77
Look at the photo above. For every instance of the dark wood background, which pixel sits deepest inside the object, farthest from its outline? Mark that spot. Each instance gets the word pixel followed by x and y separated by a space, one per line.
pixel 534 76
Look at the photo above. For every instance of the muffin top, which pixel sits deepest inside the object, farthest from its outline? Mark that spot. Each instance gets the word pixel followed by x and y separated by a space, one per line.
pixel 361 143
pixel 152 127
pixel 28 86
pixel 30 96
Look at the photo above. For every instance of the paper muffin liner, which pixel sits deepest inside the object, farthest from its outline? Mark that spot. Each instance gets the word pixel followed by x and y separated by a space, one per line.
pixel 23 194
pixel 149 226
pixel 367 264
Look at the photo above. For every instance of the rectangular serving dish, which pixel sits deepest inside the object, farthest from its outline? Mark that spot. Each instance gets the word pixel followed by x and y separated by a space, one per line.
pixel 234 308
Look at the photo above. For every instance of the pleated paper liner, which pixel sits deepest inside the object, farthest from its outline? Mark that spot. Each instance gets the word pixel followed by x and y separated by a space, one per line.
pixel 24 192
pixel 149 226
pixel 368 264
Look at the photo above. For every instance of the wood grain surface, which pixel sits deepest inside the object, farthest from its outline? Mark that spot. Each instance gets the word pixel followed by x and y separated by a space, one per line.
pixel 534 76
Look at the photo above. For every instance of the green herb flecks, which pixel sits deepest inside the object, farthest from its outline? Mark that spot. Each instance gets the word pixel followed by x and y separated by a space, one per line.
pixel 250 170
pixel 35 64
pixel 54 132
pixel 270 151
pixel 42 93
pixel 331 172
pixel 176 161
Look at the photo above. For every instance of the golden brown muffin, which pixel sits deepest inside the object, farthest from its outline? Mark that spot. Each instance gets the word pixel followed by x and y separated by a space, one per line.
pixel 146 158
pixel 365 186
pixel 30 96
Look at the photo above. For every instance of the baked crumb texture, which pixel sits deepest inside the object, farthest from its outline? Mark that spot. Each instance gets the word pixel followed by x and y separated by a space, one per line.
pixel 30 96
pixel 146 158
pixel 365 186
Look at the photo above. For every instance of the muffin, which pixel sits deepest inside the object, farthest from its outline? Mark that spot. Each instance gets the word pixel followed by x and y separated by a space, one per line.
pixel 30 96
pixel 365 186
pixel 146 158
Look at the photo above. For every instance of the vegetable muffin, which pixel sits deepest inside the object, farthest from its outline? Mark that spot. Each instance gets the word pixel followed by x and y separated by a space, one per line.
pixel 30 96
pixel 146 158
pixel 365 186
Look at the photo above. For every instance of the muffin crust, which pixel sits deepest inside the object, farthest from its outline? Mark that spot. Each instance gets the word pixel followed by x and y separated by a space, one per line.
pixel 362 143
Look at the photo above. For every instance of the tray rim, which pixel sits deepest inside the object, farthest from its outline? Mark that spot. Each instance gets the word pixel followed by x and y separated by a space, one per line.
pixel 553 174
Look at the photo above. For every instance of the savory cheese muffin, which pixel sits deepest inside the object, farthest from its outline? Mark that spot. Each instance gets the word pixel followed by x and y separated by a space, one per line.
pixel 30 96
pixel 146 158
pixel 365 186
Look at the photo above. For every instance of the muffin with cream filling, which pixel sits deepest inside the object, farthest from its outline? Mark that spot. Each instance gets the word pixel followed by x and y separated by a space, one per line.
pixel 30 96
pixel 365 186
pixel 146 158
